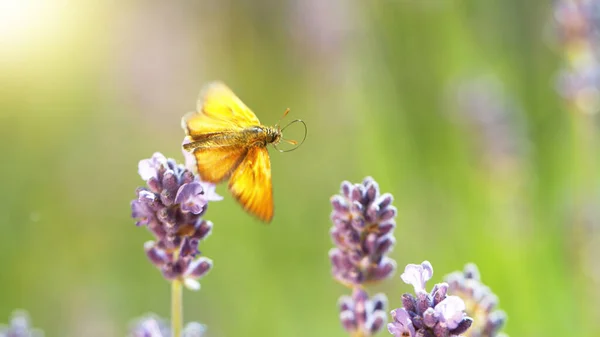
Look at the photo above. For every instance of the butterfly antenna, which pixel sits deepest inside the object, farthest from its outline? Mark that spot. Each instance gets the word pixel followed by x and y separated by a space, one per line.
pixel 287 111
pixel 293 142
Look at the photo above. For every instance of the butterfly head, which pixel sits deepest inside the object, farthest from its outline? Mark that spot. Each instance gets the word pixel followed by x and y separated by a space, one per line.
pixel 273 135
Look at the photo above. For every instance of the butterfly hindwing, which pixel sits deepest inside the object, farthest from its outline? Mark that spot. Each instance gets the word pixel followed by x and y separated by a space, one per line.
pixel 251 183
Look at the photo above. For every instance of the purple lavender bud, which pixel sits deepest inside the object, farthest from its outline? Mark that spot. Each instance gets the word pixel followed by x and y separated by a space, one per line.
pixel 345 303
pixel 439 292
pixel 385 269
pixel 379 302
pixel 386 227
pixel 409 303
pixel 157 256
pixel 440 330
pixel 339 204
pixel 384 201
pixel 198 268
pixel 202 229
pixel 423 302
pixel 356 195
pixel 384 245
pixel 463 326
pixel 418 322
pixel 377 321
pixel 348 321
pixel 429 318
pixel 471 272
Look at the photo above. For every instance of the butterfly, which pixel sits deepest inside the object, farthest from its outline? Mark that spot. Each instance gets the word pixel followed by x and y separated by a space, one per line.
pixel 229 142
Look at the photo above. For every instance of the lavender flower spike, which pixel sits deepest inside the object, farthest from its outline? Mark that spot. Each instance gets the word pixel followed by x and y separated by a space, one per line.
pixel 171 207
pixel 20 326
pixel 480 302
pixel 154 326
pixel 428 314
pixel 363 225
pixel 359 313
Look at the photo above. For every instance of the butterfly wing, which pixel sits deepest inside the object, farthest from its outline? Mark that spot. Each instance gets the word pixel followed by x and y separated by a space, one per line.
pixel 220 116
pixel 218 110
pixel 251 183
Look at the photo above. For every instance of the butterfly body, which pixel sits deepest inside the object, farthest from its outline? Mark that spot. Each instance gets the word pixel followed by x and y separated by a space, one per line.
pixel 251 136
pixel 229 142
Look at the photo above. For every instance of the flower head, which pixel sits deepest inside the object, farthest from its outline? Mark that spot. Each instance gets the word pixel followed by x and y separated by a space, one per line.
pixel 20 326
pixel 480 302
pixel 171 206
pixel 358 313
pixel 428 314
pixel 363 225
pixel 577 27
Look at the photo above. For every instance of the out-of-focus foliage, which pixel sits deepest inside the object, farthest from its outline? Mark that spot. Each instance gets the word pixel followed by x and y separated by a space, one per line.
pixel 450 105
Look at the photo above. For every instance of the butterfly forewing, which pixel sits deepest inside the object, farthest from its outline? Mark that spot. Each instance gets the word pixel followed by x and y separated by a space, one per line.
pixel 219 102
pixel 251 183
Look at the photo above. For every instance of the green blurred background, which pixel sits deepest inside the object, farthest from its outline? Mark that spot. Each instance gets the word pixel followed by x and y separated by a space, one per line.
pixel 449 105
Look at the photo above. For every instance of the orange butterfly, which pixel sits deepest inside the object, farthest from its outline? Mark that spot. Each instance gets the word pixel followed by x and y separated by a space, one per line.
pixel 228 141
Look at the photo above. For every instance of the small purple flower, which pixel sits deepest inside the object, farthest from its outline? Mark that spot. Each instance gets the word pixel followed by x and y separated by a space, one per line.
pixel 417 275
pixel 191 197
pixel 363 225
pixel 20 326
pixel 402 325
pixel 149 168
pixel 428 314
pixel 171 206
pixel 480 302
pixel 154 326
pixel 358 313
pixel 451 311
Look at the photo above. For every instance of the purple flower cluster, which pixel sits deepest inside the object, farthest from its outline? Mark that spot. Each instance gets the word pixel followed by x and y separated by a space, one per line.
pixel 153 326
pixel 171 207
pixel 433 314
pixel 20 326
pixel 359 313
pixel 480 302
pixel 578 28
pixel 363 225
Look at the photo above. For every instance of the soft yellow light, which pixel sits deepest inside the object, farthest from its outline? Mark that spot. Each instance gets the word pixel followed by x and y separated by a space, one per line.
pixel 24 20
